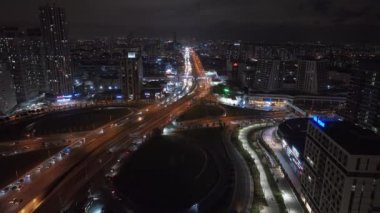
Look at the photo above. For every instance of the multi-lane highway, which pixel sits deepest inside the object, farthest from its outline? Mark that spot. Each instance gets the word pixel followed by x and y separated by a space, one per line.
pixel 94 152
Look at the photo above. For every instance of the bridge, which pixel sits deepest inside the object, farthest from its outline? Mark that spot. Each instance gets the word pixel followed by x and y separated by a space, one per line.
pixel 292 101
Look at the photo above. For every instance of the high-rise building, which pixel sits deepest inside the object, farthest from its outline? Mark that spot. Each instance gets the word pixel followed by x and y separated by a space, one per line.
pixel 132 74
pixel 312 76
pixel 246 75
pixel 55 38
pixel 7 90
pixel 288 75
pixel 342 167
pixel 23 58
pixel 363 102
pixel 33 53
pixel 267 75
pixel 232 68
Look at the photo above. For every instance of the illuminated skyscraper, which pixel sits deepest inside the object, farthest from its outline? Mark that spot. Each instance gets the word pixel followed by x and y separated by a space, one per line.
pixel 55 38
pixel 132 74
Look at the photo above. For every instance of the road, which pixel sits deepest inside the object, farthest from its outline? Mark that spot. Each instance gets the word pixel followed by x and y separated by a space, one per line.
pixel 43 184
pixel 243 192
pixel 33 144
pixel 290 198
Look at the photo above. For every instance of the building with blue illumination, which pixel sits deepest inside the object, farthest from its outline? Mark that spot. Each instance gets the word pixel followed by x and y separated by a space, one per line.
pixel 292 134
pixel 341 168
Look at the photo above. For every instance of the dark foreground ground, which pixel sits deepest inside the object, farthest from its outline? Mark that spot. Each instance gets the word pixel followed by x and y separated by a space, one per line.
pixel 181 173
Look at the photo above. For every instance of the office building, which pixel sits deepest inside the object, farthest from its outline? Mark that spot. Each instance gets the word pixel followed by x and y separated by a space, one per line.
pixel 55 38
pixel 7 90
pixel 363 102
pixel 132 74
pixel 342 167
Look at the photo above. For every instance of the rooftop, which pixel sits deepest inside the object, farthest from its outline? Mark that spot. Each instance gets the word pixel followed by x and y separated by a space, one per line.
pixel 352 138
pixel 294 132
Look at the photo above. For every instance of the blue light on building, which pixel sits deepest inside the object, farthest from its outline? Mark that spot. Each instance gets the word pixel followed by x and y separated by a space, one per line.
pixel 319 121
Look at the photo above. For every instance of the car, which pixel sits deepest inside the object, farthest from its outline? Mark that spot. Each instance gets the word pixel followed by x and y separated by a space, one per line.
pixel 52 161
pixel 112 173
pixel 4 190
pixel 15 201
pixel 133 148
pixel 18 201
pixel 27 177
pixel 115 195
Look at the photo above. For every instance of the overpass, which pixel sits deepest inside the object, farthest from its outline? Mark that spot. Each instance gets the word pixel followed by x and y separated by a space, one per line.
pixel 292 101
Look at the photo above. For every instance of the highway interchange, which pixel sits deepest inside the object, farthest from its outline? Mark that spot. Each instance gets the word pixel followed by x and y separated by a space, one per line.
pixel 44 181
pixel 54 183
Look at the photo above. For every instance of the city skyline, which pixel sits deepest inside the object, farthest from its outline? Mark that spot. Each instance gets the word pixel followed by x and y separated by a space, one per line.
pixel 193 107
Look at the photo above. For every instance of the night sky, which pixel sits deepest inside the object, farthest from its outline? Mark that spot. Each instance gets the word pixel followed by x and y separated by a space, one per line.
pixel 236 19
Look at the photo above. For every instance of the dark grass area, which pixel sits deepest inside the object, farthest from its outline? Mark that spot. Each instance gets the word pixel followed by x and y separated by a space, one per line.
pixel 78 121
pixel 61 122
pixel 211 140
pixel 22 163
pixel 200 111
pixel 167 174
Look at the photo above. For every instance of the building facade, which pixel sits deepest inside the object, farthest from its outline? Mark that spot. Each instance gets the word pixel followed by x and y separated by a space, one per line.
pixel 267 75
pixel 312 76
pixel 22 54
pixel 342 168
pixel 57 52
pixel 363 102
pixel 7 90
pixel 132 74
